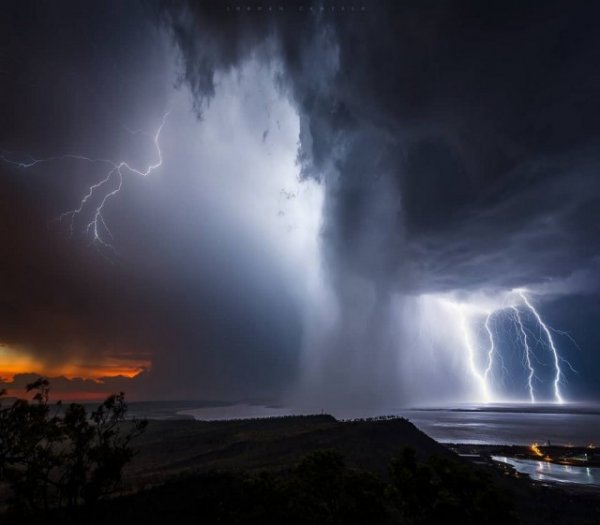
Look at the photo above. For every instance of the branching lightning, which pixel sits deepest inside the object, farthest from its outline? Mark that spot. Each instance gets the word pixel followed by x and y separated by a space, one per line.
pixel 558 372
pixel 520 304
pixel 101 191
pixel 481 380
pixel 527 353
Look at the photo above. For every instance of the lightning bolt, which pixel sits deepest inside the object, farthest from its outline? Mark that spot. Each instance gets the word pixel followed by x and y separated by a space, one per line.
pixel 524 338
pixel 496 353
pixel 557 370
pixel 492 349
pixel 481 380
pixel 97 227
pixel 527 353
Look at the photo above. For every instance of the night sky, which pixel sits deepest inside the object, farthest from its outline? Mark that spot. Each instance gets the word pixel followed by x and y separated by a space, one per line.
pixel 335 182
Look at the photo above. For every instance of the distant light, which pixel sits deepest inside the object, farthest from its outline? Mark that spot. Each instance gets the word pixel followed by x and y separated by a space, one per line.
pixel 536 450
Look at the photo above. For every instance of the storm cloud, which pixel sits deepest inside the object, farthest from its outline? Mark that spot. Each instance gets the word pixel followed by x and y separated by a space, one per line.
pixel 450 135
pixel 187 290
pixel 457 145
pixel 454 146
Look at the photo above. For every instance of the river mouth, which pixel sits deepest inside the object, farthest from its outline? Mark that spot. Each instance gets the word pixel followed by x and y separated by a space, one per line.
pixel 553 472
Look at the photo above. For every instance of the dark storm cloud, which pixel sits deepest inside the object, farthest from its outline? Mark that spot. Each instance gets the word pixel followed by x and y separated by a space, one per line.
pixel 74 75
pixel 457 140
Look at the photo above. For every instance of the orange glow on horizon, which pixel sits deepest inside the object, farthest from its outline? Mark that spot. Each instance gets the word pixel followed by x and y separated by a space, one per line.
pixel 14 362
pixel 109 368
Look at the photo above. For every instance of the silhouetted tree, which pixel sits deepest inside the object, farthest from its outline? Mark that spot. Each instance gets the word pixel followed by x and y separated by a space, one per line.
pixel 60 459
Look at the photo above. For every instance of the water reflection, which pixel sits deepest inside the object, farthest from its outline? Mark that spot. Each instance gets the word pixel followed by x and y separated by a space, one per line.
pixel 546 471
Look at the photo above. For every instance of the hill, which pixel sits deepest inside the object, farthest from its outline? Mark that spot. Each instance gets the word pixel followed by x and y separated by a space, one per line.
pixel 172 448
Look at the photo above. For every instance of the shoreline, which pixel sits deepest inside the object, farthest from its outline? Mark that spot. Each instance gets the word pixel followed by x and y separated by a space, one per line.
pixel 575 456
pixel 558 460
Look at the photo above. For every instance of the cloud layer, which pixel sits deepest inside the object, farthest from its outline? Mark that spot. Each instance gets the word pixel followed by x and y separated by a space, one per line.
pixel 444 148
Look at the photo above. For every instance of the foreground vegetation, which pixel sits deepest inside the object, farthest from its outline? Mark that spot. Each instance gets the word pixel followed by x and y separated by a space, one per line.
pixel 320 489
pixel 55 457
pixel 79 465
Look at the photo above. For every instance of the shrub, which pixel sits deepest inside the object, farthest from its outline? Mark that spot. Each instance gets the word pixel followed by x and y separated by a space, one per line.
pixel 56 457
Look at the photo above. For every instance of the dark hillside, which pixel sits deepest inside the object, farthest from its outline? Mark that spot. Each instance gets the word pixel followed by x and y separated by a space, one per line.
pixel 258 444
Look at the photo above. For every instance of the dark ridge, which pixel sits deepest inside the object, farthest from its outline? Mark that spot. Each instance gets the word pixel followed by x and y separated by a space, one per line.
pixel 253 444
